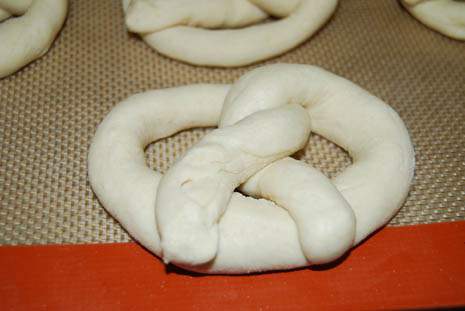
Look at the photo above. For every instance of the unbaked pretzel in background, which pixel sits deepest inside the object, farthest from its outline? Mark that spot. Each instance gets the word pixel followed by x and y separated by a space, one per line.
pixel 222 32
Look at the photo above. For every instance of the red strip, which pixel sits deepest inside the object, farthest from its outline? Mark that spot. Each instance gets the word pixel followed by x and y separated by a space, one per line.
pixel 406 267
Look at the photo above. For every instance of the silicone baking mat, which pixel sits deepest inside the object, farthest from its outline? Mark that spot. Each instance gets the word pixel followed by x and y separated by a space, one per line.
pixel 49 112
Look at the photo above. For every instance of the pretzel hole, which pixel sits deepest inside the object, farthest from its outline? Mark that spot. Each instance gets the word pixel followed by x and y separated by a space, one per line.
pixel 324 155
pixel 162 154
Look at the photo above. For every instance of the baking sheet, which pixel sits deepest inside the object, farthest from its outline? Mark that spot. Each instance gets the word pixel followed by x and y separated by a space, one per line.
pixel 49 112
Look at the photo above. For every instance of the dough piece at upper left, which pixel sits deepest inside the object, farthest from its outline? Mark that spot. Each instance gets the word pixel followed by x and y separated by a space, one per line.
pixel 27 30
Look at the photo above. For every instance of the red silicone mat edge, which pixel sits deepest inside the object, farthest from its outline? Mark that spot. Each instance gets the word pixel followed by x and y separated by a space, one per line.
pixel 421 266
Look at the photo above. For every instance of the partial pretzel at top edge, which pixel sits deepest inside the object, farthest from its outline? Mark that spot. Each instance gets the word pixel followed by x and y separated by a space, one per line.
pixel 177 37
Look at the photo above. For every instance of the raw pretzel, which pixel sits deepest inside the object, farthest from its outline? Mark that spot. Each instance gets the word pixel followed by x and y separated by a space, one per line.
pixel 170 27
pixel 444 16
pixel 28 36
pixel 206 227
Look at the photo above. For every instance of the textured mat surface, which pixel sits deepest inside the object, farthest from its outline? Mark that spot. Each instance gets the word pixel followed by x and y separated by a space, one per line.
pixel 49 112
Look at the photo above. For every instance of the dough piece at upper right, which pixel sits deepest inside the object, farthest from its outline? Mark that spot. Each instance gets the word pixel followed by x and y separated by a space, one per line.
pixel 444 16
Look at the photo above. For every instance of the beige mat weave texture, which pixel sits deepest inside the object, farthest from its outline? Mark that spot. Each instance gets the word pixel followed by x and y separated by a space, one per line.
pixel 49 112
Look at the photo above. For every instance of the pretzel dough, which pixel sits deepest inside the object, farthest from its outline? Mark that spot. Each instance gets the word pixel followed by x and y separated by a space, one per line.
pixel 13 7
pixel 206 228
pixel 170 27
pixel 29 36
pixel 444 16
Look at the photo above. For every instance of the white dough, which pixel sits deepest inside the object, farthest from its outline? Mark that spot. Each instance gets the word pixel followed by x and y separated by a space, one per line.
pixel 15 7
pixel 444 16
pixel 206 227
pixel 28 36
pixel 195 192
pixel 4 14
pixel 172 27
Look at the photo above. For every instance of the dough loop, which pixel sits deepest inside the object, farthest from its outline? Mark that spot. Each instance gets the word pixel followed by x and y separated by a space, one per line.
pixel 192 217
pixel 172 27
pixel 30 34
pixel 444 16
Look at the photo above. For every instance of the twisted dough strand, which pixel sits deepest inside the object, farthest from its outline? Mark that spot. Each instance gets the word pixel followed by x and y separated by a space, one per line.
pixel 194 193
